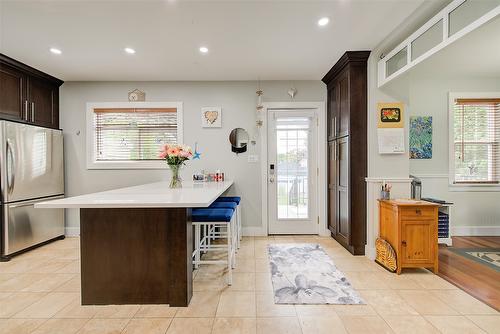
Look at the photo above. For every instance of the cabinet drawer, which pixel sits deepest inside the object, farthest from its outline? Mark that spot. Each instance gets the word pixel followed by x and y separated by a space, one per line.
pixel 417 212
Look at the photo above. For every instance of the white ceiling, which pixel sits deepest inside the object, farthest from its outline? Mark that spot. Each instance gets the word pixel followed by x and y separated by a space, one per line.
pixel 270 40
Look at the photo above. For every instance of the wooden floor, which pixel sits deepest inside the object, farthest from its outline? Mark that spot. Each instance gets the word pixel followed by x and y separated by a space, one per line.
pixel 478 280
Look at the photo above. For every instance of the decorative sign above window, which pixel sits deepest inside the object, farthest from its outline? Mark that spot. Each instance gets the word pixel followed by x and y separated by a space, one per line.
pixel 137 96
pixel 211 117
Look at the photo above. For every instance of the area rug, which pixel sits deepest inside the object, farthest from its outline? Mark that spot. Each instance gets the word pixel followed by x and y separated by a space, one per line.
pixel 487 256
pixel 305 274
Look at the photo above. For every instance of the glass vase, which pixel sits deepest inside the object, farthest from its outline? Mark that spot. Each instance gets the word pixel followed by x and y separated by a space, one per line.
pixel 175 181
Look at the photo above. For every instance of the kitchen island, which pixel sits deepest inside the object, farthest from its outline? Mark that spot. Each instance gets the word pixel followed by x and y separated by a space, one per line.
pixel 136 242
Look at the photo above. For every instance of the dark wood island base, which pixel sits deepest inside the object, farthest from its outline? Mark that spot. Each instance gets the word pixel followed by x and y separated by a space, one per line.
pixel 136 256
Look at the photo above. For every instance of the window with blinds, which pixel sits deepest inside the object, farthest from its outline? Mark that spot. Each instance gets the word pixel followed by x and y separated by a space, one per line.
pixel 476 134
pixel 133 134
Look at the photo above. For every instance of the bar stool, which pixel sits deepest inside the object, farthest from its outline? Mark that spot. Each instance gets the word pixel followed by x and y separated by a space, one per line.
pixel 213 233
pixel 211 219
pixel 237 200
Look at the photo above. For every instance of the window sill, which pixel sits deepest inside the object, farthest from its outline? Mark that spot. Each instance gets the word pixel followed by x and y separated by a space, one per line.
pixel 160 164
pixel 473 188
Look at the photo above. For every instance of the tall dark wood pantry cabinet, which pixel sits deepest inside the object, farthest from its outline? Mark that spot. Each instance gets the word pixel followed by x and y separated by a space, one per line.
pixel 347 150
pixel 28 95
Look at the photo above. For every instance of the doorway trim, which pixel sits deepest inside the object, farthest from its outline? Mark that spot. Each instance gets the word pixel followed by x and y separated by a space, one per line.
pixel 321 192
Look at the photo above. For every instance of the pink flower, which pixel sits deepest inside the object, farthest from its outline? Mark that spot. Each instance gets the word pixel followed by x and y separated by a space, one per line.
pixel 173 151
pixel 162 154
pixel 185 154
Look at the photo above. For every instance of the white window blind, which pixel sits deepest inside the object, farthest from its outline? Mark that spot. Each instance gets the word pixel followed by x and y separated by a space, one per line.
pixel 129 134
pixel 476 124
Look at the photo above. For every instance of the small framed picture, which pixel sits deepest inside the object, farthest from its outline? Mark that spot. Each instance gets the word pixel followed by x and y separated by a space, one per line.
pixel 211 117
pixel 390 115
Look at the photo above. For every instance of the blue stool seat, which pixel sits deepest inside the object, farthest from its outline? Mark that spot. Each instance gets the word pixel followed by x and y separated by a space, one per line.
pixel 212 215
pixel 224 205
pixel 235 199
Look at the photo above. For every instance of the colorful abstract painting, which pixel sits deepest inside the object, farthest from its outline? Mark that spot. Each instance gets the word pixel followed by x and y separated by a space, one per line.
pixel 421 137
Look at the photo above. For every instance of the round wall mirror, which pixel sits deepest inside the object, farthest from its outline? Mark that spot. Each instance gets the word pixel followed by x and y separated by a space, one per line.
pixel 239 140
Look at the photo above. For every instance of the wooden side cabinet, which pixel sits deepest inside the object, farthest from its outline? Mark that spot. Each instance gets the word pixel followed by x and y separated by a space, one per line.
pixel 411 227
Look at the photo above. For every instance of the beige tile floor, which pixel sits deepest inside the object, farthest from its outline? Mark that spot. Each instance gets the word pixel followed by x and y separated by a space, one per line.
pixel 39 293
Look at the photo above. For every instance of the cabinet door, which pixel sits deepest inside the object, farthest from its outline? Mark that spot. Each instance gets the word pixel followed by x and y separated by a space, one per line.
pixel 331 113
pixel 343 205
pixel 417 241
pixel 343 105
pixel 332 187
pixel 43 102
pixel 13 93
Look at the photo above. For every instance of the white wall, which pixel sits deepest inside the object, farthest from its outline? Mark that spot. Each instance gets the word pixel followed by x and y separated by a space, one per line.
pixel 237 99
pixel 473 212
pixel 393 169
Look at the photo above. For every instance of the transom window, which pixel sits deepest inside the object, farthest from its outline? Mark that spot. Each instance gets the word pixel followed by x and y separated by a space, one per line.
pixel 475 125
pixel 130 135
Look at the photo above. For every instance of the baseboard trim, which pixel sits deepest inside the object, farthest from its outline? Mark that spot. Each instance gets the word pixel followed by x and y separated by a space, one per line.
pixel 370 252
pixel 72 231
pixel 253 231
pixel 475 231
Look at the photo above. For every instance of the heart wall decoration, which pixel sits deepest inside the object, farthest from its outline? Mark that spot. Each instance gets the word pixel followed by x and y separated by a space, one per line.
pixel 211 117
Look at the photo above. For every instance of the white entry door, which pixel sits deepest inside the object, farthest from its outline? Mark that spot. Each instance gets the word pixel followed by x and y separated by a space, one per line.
pixel 292 172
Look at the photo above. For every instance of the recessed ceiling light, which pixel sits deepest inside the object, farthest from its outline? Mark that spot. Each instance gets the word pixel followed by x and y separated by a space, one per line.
pixel 323 21
pixel 55 51
pixel 203 49
pixel 129 51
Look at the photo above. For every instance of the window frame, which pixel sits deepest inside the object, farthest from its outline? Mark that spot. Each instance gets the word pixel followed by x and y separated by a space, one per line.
pixel 451 143
pixel 92 163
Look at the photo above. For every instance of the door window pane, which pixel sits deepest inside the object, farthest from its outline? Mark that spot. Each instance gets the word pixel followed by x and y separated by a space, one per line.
pixel 292 172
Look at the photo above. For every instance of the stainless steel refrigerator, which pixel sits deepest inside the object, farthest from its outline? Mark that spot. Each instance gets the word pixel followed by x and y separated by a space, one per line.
pixel 31 171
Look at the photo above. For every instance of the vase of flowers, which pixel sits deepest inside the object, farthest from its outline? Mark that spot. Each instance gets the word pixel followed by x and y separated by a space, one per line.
pixel 175 156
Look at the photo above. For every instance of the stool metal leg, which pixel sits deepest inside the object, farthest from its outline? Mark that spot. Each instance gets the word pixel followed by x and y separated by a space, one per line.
pixel 229 255
pixel 197 246
pixel 238 217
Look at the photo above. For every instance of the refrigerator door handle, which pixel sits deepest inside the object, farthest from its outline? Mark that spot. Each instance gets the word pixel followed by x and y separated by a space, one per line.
pixel 11 175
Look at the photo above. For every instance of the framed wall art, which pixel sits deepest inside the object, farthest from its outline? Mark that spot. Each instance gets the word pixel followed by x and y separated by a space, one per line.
pixel 211 117
pixel 390 115
pixel 421 137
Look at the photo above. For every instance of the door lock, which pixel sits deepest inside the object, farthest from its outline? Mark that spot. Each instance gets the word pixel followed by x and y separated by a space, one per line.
pixel 271 173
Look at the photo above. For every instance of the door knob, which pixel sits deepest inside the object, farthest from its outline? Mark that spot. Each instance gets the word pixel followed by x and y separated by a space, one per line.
pixel 271 179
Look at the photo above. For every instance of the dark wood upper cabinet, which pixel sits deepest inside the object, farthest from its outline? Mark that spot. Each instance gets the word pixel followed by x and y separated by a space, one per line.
pixel 28 95
pixel 13 93
pixel 347 161
pixel 343 110
pixel 44 103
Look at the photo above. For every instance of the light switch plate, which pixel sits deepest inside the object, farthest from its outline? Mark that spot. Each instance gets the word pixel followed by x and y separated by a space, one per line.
pixel 252 158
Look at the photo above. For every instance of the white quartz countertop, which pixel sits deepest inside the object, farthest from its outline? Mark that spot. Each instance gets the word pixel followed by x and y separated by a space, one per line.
pixel 152 195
